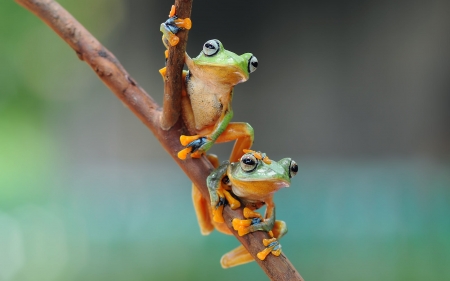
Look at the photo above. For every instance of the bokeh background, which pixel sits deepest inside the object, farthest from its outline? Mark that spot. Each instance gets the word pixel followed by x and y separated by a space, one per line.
pixel 357 92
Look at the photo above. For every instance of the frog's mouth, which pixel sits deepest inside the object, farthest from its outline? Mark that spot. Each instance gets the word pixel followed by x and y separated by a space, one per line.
pixel 256 187
pixel 279 183
pixel 225 74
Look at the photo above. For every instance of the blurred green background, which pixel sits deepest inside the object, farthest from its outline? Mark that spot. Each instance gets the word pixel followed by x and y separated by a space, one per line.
pixel 357 92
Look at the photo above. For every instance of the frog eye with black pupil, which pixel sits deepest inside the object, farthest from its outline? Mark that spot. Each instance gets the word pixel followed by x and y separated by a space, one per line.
pixel 211 47
pixel 248 162
pixel 252 64
pixel 293 169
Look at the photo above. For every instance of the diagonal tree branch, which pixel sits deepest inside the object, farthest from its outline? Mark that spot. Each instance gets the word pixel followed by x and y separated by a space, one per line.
pixel 116 78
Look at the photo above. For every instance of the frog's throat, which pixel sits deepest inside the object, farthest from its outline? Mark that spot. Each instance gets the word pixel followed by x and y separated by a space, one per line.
pixel 256 190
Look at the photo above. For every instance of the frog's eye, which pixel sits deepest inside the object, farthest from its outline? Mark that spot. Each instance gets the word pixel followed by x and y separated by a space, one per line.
pixel 248 162
pixel 293 169
pixel 252 64
pixel 211 47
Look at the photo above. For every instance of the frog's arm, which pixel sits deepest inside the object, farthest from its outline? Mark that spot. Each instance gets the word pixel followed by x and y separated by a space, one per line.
pixel 276 229
pixel 253 221
pixel 197 145
pixel 169 28
pixel 172 26
pixel 218 130
pixel 268 222
pixel 218 194
pixel 214 181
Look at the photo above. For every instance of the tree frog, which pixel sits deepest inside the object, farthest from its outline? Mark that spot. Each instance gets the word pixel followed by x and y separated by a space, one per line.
pixel 207 94
pixel 251 182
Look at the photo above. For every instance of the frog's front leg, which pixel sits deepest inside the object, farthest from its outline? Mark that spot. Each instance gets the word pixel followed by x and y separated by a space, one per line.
pixel 214 183
pixel 169 28
pixel 253 222
pixel 199 144
pixel 218 194
pixel 172 26
pixel 239 131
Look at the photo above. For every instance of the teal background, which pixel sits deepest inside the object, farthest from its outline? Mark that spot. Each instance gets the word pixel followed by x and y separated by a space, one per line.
pixel 355 91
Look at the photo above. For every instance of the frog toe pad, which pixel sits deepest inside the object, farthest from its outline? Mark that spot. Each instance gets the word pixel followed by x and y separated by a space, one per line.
pixel 272 246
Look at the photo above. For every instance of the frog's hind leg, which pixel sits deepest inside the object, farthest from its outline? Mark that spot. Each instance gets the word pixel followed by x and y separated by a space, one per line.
pixel 272 245
pixel 238 256
pixel 202 210
pixel 279 229
pixel 242 133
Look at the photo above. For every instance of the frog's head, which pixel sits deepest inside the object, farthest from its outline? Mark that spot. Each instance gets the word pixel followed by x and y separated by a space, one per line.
pixel 215 61
pixel 255 176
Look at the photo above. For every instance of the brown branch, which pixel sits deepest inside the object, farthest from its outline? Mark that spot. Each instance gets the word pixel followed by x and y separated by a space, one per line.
pixel 115 77
pixel 175 62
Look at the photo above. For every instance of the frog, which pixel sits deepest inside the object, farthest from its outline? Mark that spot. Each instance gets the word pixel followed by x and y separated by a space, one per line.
pixel 251 183
pixel 207 94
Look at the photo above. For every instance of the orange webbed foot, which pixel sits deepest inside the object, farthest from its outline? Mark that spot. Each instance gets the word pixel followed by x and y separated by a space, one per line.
pixel 195 145
pixel 242 226
pixel 172 26
pixel 163 71
pixel 184 23
pixel 218 214
pixel 172 11
pixel 182 154
pixel 272 246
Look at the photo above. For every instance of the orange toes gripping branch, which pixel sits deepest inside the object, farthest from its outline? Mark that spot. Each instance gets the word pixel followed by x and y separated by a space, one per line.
pixel 277 252
pixel 242 226
pixel 163 71
pixel 248 213
pixel 185 140
pixel 234 203
pixel 171 38
pixel 196 154
pixel 183 153
pixel 272 247
pixel 184 23
pixel 172 11
pixel 217 214
pixel 266 242
pixel 263 254
pixel 173 25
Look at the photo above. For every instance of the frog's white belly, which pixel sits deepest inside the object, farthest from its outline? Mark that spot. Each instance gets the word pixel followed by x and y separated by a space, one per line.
pixel 206 102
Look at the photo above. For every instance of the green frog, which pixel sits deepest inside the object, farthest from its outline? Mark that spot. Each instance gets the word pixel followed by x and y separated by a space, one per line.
pixel 250 182
pixel 208 92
